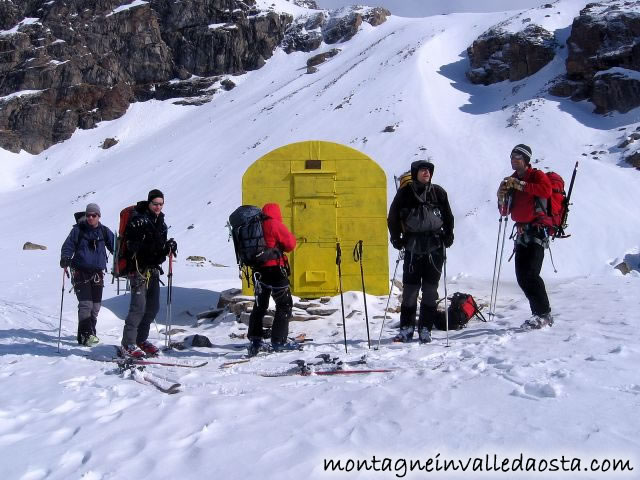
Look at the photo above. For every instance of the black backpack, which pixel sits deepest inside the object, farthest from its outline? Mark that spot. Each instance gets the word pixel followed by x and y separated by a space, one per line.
pixel 251 249
pixel 462 308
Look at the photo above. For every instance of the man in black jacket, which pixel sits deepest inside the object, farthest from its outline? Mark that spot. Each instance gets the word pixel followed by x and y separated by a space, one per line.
pixel 147 249
pixel 421 222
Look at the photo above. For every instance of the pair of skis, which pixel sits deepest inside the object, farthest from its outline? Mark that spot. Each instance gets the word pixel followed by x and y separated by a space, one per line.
pixel 326 366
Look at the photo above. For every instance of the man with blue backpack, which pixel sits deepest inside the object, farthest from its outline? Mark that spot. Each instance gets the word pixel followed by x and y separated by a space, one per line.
pixel 84 251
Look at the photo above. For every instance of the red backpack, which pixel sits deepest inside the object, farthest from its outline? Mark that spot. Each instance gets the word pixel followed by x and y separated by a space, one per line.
pixel 550 212
pixel 120 262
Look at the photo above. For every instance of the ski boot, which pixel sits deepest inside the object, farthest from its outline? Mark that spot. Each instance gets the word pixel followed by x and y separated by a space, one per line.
pixel 424 334
pixel 148 348
pixel 254 347
pixel 404 335
pixel 130 351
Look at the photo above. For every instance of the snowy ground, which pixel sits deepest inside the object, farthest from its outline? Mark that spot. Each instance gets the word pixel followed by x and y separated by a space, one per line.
pixel 569 390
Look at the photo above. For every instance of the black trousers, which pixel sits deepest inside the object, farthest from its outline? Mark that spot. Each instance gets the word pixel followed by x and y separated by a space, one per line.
pixel 272 282
pixel 420 273
pixel 88 288
pixel 529 258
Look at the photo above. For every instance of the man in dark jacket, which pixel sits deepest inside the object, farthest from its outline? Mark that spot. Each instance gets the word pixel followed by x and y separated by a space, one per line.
pixel 84 251
pixel 271 279
pixel 421 222
pixel 529 189
pixel 147 249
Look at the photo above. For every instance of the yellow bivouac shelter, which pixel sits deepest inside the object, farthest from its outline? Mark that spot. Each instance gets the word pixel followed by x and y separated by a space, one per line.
pixel 328 193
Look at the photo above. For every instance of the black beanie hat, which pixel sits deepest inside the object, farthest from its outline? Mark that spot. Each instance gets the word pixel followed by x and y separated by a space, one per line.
pixel 524 150
pixel 155 193
pixel 418 164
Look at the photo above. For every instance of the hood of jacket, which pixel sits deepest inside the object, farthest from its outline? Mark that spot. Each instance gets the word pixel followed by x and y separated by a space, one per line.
pixel 272 210
pixel 417 165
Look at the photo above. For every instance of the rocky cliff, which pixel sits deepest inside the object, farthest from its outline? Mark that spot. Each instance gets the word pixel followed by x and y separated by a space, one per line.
pixel 603 63
pixel 70 64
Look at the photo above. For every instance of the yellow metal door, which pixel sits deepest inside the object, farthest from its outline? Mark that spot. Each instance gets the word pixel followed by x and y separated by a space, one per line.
pixel 314 221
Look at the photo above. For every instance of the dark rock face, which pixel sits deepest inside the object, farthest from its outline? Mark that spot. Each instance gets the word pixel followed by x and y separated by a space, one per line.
pixel 634 160
pixel 604 56
pixel 498 55
pixel 322 57
pixel 85 65
pixel 308 33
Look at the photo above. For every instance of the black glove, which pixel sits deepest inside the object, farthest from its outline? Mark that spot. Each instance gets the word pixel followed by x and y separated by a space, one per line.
pixel 65 262
pixel 447 239
pixel 398 243
pixel 171 246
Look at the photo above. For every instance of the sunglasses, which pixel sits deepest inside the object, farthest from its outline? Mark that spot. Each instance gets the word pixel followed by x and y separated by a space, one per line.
pixel 92 215
pixel 157 204
pixel 517 157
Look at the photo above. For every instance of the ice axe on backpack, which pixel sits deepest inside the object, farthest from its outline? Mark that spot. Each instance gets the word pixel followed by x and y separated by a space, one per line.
pixel 357 257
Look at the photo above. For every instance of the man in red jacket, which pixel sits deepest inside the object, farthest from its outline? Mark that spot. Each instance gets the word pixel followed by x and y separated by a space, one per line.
pixel 271 279
pixel 529 189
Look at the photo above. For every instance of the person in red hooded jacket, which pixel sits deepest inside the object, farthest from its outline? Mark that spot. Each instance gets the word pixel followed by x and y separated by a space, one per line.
pixel 272 280
pixel 529 189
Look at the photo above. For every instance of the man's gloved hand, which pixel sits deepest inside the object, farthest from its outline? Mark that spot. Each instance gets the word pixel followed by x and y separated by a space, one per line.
pixel 171 246
pixel 398 243
pixel 65 262
pixel 513 183
pixel 447 239
pixel 503 191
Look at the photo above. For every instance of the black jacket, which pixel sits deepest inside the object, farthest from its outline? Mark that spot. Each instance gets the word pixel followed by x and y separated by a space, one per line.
pixel 146 237
pixel 406 199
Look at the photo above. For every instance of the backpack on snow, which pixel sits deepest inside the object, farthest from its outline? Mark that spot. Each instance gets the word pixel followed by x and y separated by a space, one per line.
pixel 245 224
pixel 121 265
pixel 462 308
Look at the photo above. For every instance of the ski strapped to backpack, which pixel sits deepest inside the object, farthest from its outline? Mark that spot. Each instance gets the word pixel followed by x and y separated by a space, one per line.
pixel 462 308
pixel 245 228
pixel 553 212
pixel 120 260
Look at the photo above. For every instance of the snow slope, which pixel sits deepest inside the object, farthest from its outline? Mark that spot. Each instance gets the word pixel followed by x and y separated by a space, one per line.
pixel 572 389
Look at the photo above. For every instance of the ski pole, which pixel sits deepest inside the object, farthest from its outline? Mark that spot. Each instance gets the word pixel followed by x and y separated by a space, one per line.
pixel 446 309
pixel 357 256
pixel 344 323
pixel 504 236
pixel 167 327
pixel 384 319
pixel 64 272
pixel 495 267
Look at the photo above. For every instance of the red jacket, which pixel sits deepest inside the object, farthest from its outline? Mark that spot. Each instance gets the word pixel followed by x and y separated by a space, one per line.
pixel 276 234
pixel 523 207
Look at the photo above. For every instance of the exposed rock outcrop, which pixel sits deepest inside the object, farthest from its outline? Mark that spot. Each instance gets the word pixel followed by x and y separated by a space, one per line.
pixel 499 55
pixel 64 66
pixel 307 33
pixel 604 57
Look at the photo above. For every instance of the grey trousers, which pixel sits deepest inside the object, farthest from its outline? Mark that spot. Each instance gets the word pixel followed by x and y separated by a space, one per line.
pixel 88 288
pixel 144 306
